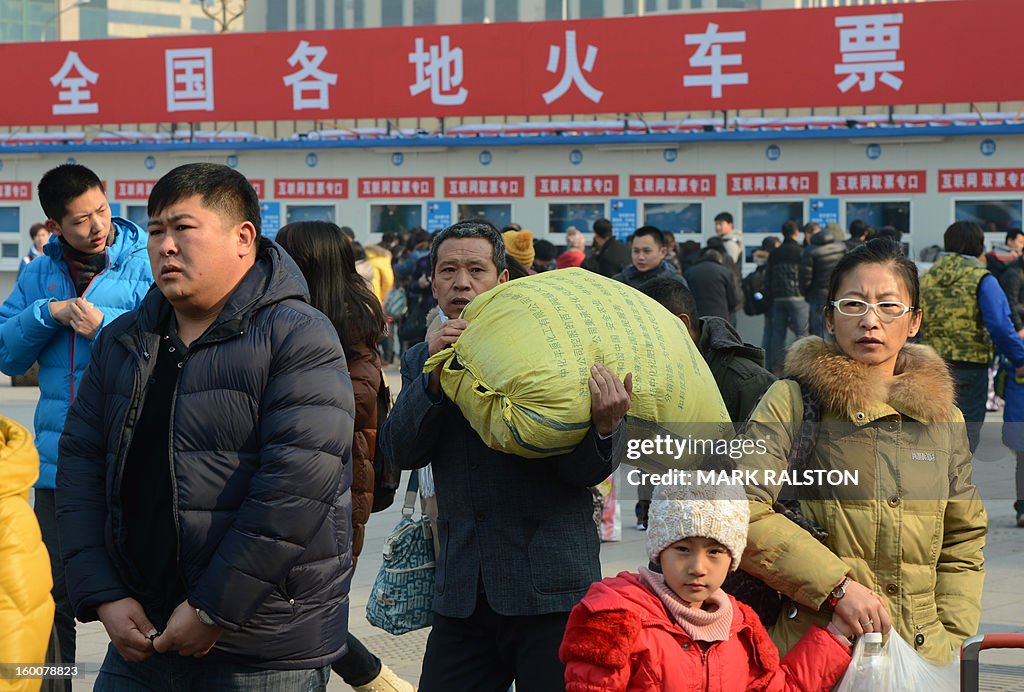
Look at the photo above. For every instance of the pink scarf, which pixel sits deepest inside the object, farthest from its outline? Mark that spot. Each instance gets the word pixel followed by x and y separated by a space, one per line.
pixel 704 625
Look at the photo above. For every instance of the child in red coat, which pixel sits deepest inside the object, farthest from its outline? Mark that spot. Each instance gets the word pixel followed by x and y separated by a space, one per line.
pixel 678 631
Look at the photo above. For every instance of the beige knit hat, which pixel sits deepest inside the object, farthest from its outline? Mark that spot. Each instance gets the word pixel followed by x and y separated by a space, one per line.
pixel 716 511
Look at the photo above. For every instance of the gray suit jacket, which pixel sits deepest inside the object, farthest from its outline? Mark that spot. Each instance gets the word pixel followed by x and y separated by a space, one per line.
pixel 519 530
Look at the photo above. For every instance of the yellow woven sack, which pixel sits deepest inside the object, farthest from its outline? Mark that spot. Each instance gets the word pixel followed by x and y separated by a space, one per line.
pixel 519 372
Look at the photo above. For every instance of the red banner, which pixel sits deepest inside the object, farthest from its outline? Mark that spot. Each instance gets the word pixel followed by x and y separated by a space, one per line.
pixel 19 192
pixel 484 187
pixel 672 185
pixel 576 185
pixel 757 184
pixel 863 56
pixel 981 180
pixel 311 188
pixel 133 189
pixel 259 186
pixel 880 182
pixel 396 187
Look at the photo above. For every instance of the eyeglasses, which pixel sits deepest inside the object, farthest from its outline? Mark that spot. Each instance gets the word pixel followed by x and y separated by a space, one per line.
pixel 887 310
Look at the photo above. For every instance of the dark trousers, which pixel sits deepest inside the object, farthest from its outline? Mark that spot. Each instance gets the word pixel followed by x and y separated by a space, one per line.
pixel 358 666
pixel 486 652
pixel 1019 505
pixel 64 617
pixel 971 394
pixel 787 313
pixel 816 316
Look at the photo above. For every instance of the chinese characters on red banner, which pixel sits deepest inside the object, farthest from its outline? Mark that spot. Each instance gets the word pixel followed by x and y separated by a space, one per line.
pixel 319 188
pixel 672 185
pixel 484 187
pixel 133 189
pixel 982 180
pixel 804 183
pixel 878 182
pixel 576 185
pixel 396 187
pixel 18 192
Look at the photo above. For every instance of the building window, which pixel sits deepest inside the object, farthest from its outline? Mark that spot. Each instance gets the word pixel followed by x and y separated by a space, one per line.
pixel 277 16
pixel 10 220
pixel 498 214
pixel 339 14
pixel 582 216
pixel 321 14
pixel 9 251
pixel 675 4
pixel 392 12
pixel 739 4
pixel 138 213
pixel 310 212
pixel 878 214
pixel 424 12
pixel 506 10
pixel 473 11
pixel 768 217
pixel 359 13
pixel 628 7
pixel 553 9
pixel 677 217
pixel 993 215
pixel 300 14
pixel 591 8
pixel 395 218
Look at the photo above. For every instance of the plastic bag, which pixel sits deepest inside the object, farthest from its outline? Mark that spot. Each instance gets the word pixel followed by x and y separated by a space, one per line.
pixel 896 669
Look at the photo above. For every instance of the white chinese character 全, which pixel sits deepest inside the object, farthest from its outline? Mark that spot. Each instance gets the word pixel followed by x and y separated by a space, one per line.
pixel 440 70
pixel 73 76
pixel 189 79
pixel 310 79
pixel 571 73
pixel 868 44
pixel 709 54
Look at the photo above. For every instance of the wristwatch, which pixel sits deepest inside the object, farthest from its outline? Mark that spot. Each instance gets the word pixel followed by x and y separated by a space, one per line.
pixel 204 618
pixel 838 592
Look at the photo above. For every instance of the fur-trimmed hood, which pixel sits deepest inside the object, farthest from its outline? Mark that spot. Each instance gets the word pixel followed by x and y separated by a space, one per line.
pixel 922 387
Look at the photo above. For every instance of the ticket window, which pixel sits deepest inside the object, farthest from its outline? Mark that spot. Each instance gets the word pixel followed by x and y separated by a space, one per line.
pixel 880 214
pixel 677 217
pixel 995 216
pixel 767 217
pixel 310 212
pixel 498 214
pixel 580 216
pixel 138 213
pixel 11 238
pixel 395 218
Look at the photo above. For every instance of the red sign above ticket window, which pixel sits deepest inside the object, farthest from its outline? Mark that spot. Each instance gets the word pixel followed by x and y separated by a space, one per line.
pixel 576 185
pixel 133 189
pixel 672 185
pixel 883 182
pixel 19 192
pixel 312 188
pixel 484 187
pixel 756 184
pixel 259 185
pixel 396 187
pixel 981 180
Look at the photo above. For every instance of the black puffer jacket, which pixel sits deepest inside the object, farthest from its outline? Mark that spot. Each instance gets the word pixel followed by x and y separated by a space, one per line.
pixel 261 436
pixel 820 258
pixel 782 276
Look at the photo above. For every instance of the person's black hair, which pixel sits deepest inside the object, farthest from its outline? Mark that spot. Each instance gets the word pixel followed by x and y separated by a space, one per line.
pixel 472 229
pixel 724 216
pixel 327 260
pixel 221 189
pixel 858 229
pixel 669 237
pixel 603 228
pixel 348 232
pixel 544 251
pixel 1012 233
pixel 965 238
pixel 387 238
pixel 790 229
pixel 889 232
pixel 883 251
pixel 358 251
pixel 810 227
pixel 516 270
pixel 652 232
pixel 35 228
pixel 673 296
pixel 511 227
pixel 770 243
pixel 60 185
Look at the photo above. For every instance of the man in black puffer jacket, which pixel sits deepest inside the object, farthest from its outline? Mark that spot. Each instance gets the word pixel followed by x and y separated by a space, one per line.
pixel 820 258
pixel 204 470
pixel 782 286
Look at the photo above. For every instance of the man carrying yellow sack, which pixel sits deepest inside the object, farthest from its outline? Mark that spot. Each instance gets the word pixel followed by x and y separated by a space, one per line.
pixel 26 606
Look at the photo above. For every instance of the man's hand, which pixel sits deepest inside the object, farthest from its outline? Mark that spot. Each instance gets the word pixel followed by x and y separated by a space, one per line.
pixel 128 628
pixel 60 310
pixel 609 398
pixel 439 340
pixel 186 634
pixel 861 610
pixel 85 318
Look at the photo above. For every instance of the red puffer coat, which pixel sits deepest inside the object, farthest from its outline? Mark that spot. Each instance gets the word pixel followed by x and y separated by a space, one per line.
pixel 621 638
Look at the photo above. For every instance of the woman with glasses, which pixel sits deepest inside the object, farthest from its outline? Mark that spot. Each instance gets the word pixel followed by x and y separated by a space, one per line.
pixel 905 527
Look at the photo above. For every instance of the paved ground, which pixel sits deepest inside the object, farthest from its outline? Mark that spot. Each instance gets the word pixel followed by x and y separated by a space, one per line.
pixel 1002 600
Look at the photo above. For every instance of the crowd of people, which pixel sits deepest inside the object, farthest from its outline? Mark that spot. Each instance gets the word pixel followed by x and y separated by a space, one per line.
pixel 210 416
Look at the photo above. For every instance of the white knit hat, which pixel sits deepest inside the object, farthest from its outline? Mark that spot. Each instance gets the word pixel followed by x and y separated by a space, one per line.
pixel 716 511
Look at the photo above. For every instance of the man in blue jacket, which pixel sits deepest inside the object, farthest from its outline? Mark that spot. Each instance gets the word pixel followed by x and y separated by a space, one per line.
pixel 94 269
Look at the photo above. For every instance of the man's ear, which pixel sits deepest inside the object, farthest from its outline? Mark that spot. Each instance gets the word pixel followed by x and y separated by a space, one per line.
pixel 248 238
pixel 52 226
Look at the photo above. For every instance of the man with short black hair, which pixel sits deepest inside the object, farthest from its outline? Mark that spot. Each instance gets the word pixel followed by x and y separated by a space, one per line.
pixel 95 271
pixel 39 236
pixel 648 253
pixel 782 286
pixel 731 238
pixel 821 255
pixel 858 234
pixel 204 499
pixel 609 256
pixel 1003 255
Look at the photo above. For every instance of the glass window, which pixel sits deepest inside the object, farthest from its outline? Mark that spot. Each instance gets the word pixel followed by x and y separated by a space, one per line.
pixel 321 14
pixel 359 13
pixel 9 251
pixel 677 217
pixel 395 218
pixel 473 11
pixel 310 212
pixel 137 213
pixel 424 12
pixel 506 10
pixel 768 217
pixel 498 214
pixel 739 4
pixel 10 220
pixel 582 216
pixel 591 8
pixel 552 9
pixel 92 20
pixel 300 14
pixel 392 12
pixel 994 215
pixel 675 4
pixel 628 7
pixel 878 214
pixel 651 5
pixel 277 16
pixel 339 14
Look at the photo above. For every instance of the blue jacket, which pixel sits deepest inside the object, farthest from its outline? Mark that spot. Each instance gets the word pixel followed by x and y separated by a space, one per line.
pixel 28 333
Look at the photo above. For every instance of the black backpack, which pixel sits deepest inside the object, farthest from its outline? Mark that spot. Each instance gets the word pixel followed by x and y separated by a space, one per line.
pixel 754 300
pixel 386 478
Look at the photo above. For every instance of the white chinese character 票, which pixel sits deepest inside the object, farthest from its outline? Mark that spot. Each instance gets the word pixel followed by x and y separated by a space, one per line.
pixel 309 84
pixel 440 71
pixel 72 77
pixel 571 73
pixel 709 54
pixel 189 79
pixel 868 44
